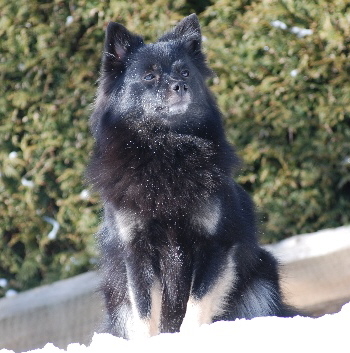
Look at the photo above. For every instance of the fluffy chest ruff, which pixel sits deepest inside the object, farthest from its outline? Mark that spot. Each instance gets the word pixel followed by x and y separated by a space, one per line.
pixel 143 167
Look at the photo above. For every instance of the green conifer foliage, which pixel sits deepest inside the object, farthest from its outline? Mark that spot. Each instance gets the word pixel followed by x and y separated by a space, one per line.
pixel 283 88
pixel 283 82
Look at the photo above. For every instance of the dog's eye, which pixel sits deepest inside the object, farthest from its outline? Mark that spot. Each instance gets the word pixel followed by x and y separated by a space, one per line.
pixel 149 77
pixel 185 73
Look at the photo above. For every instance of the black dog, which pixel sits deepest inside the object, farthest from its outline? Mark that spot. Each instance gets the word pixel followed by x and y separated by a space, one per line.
pixel 179 240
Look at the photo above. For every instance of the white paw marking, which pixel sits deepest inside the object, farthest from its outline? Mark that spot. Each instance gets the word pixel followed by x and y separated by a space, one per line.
pixel 138 327
pixel 202 311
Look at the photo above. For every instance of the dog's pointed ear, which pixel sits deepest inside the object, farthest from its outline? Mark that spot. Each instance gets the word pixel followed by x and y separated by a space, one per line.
pixel 187 31
pixel 119 44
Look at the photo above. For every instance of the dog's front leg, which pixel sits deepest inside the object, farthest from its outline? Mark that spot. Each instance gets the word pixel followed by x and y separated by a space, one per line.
pixel 145 298
pixel 208 296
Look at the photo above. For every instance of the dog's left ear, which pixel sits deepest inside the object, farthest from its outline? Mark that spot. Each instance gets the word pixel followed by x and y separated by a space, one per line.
pixel 187 31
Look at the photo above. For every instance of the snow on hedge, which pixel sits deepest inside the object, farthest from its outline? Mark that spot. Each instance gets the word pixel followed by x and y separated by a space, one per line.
pixel 329 333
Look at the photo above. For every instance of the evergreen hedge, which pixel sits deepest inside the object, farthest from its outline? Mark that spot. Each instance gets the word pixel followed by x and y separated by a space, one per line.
pixel 282 86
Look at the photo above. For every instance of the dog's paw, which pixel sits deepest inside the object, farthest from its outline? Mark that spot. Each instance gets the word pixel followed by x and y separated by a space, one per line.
pixel 194 317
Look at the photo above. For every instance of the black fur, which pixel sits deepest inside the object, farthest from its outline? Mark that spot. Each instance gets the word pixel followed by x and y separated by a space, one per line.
pixel 163 167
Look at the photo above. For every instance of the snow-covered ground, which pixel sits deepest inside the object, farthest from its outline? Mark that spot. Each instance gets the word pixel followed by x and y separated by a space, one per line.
pixel 329 333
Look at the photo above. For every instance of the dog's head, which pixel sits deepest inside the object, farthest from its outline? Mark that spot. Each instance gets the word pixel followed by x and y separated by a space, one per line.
pixel 165 79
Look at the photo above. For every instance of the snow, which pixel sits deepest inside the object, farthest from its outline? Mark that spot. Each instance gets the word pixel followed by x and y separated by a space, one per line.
pixel 265 334
pixel 3 282
pixel 346 161
pixel 304 246
pixel 84 195
pixel 298 31
pixel 301 32
pixel 13 155
pixel 294 72
pixel 69 20
pixel 11 293
pixel 27 183
pixel 279 24
pixel 55 227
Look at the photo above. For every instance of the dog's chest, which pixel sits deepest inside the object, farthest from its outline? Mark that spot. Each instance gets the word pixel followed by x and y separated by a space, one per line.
pixel 203 219
pixel 170 177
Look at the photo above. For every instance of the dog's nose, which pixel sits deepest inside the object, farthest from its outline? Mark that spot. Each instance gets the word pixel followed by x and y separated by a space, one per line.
pixel 180 88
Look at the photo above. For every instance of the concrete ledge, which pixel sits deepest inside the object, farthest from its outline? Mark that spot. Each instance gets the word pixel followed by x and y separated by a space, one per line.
pixel 316 269
pixel 63 312
pixel 318 282
pixel 49 295
pixel 71 310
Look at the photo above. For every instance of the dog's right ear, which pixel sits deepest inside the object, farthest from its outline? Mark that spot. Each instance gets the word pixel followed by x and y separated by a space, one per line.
pixel 119 44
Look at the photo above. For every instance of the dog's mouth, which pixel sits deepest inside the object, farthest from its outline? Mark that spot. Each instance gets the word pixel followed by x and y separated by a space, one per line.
pixel 178 108
pixel 172 109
